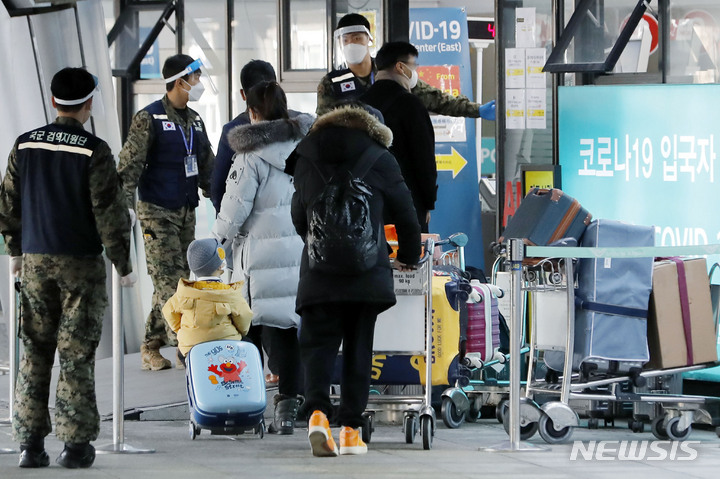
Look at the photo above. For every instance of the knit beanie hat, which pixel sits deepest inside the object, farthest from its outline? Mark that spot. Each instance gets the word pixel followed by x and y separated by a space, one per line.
pixel 205 256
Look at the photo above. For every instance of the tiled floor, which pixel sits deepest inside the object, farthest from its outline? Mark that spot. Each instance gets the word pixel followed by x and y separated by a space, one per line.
pixel 455 453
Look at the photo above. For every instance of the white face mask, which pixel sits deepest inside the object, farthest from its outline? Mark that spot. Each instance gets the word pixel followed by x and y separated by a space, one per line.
pixel 195 91
pixel 413 78
pixel 354 53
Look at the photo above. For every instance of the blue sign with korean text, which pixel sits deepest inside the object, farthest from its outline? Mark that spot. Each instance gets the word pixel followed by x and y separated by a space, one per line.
pixel 441 37
pixel 645 155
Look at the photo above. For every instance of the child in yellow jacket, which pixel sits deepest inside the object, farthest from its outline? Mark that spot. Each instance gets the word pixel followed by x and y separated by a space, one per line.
pixel 206 309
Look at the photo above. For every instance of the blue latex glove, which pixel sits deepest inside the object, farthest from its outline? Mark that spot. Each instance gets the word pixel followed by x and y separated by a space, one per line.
pixel 487 111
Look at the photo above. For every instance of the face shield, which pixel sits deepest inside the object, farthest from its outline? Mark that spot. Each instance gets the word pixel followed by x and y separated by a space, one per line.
pixel 98 109
pixel 205 80
pixel 350 45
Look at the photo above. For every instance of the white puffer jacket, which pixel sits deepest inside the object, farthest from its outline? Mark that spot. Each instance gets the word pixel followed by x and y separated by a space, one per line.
pixel 255 211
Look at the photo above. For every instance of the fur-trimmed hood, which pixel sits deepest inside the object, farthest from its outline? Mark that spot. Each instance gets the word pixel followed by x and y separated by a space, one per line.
pixel 356 118
pixel 246 138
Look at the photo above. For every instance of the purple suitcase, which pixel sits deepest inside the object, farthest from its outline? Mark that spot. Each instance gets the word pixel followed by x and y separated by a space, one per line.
pixel 483 330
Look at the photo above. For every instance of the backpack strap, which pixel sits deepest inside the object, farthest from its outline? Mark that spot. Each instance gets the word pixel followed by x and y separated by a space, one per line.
pixel 363 164
pixel 366 161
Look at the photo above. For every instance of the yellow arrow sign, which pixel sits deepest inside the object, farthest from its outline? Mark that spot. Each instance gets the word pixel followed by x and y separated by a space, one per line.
pixel 453 162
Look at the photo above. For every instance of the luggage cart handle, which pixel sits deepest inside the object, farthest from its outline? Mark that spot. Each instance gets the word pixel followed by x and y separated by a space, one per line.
pixel 429 247
pixel 457 240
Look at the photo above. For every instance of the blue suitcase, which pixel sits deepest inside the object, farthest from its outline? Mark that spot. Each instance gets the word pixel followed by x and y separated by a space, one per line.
pixel 546 216
pixel 611 303
pixel 226 388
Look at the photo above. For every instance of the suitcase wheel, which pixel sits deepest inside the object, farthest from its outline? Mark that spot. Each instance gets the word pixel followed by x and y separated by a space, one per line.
pixel 194 430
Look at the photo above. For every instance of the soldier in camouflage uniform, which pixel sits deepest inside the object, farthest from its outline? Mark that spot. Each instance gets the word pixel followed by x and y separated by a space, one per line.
pixel 167 155
pixel 340 85
pixel 60 203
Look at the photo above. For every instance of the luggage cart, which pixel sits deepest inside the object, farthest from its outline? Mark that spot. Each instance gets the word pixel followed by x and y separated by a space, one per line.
pixel 487 384
pixel 412 287
pixel 550 402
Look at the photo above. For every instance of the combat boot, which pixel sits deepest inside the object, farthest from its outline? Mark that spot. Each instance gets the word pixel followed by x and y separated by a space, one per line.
pixel 151 358
pixel 286 409
pixel 77 455
pixel 32 453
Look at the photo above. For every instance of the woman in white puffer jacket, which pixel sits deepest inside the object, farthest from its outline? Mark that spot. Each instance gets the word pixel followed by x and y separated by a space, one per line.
pixel 255 216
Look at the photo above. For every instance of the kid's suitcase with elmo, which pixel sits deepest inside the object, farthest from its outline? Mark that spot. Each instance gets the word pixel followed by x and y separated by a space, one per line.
pixel 226 388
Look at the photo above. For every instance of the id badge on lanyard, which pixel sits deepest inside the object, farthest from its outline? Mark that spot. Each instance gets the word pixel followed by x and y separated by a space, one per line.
pixel 191 164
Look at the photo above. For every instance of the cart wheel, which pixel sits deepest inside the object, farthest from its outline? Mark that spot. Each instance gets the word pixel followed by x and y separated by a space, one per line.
pixel 473 414
pixel 426 432
pixel 636 426
pixel 552 435
pixel 526 432
pixel 367 428
pixel 593 423
pixel 673 431
pixel 500 410
pixel 260 429
pixel 450 415
pixel 552 376
pixel 194 431
pixel 657 428
pixel 410 428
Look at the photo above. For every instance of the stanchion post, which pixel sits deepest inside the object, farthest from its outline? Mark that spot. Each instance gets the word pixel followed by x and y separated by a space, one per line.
pixel 515 253
pixel 118 445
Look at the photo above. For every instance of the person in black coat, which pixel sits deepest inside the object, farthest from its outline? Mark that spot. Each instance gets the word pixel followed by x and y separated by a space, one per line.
pixel 413 136
pixel 344 307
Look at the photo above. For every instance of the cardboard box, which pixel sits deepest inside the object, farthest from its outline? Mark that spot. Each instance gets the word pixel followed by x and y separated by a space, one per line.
pixel 666 335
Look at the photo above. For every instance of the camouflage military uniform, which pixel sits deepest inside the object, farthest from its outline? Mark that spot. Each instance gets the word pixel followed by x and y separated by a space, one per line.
pixel 435 100
pixel 63 300
pixel 167 232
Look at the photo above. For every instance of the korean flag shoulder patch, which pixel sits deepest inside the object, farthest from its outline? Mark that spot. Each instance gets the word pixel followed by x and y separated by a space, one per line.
pixel 347 86
pixel 168 126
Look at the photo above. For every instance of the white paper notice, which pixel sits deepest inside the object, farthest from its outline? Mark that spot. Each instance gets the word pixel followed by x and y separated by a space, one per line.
pixel 525 27
pixel 515 109
pixel 514 68
pixel 536 102
pixel 448 128
pixel 534 62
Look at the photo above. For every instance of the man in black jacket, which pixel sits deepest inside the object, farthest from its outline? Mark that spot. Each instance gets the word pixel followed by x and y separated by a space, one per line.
pixel 413 136
pixel 337 307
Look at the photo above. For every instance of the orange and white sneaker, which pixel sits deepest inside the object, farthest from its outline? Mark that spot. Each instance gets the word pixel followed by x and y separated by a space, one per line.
pixel 320 436
pixel 351 442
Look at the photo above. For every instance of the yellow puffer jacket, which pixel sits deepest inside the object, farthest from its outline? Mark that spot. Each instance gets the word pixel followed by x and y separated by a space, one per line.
pixel 206 310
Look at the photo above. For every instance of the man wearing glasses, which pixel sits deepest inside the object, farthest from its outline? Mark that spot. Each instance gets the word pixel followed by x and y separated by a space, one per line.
pixel 413 136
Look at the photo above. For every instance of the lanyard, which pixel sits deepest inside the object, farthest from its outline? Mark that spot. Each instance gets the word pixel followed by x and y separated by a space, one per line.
pixel 372 77
pixel 187 148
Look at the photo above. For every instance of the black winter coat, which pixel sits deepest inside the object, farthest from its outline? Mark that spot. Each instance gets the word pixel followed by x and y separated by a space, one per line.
pixel 413 138
pixel 335 138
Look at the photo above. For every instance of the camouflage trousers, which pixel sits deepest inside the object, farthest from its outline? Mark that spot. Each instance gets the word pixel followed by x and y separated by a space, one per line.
pixel 63 301
pixel 167 235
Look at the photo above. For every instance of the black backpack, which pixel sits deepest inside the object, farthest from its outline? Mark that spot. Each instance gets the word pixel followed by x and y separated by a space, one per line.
pixel 340 236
